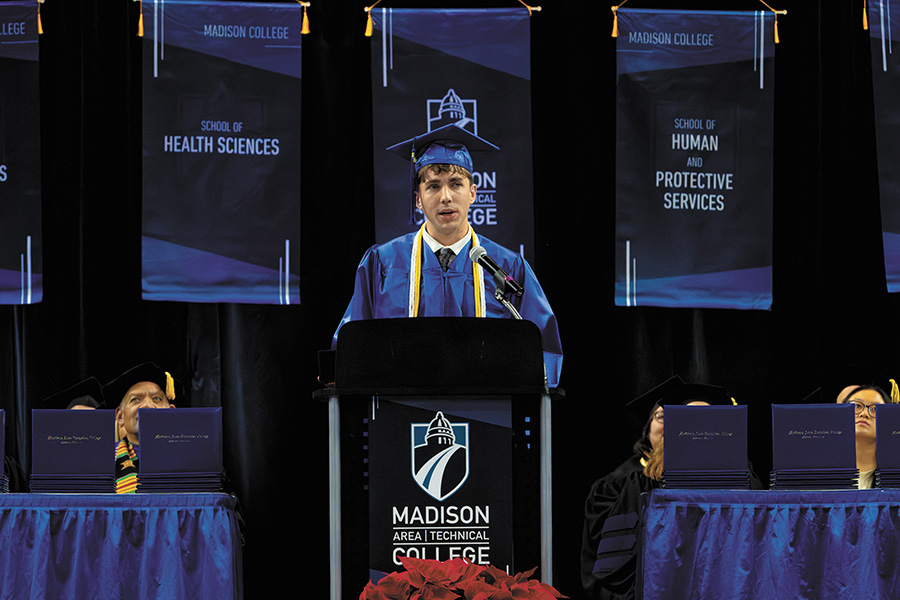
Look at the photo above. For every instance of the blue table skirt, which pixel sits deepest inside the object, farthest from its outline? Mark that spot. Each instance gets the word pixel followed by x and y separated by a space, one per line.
pixel 119 546
pixel 771 544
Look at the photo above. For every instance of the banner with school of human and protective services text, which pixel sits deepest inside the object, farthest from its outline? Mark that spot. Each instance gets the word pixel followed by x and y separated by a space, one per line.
pixel 21 257
pixel 884 29
pixel 694 142
pixel 221 151
pixel 471 67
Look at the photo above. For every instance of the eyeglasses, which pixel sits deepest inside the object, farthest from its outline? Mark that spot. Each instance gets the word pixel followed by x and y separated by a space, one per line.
pixel 658 416
pixel 859 408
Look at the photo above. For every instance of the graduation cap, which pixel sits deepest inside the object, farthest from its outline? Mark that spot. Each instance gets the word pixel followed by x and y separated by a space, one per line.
pixel 116 389
pixel 447 145
pixel 675 391
pixel 849 377
pixel 84 393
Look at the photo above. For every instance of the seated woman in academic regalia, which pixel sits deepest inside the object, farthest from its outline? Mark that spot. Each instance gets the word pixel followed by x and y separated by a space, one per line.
pixel 865 399
pixel 612 510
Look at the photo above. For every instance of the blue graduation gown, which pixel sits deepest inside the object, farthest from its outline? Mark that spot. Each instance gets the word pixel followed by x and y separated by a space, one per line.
pixel 382 291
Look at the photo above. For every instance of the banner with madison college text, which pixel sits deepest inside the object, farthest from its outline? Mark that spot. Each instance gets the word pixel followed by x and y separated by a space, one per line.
pixel 694 139
pixel 221 145
pixel 884 28
pixel 470 67
pixel 20 156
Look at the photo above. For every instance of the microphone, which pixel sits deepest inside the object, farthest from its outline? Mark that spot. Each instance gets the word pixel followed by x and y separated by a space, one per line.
pixel 504 282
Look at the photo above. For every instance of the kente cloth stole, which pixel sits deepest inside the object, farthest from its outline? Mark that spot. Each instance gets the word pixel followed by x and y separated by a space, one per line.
pixel 126 468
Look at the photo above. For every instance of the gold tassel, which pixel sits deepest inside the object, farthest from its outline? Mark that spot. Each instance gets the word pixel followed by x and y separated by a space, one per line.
pixel 170 386
pixel 368 10
pixel 304 29
pixel 895 393
pixel 615 31
pixel 865 16
pixel 734 402
pixel 776 12
pixel 40 26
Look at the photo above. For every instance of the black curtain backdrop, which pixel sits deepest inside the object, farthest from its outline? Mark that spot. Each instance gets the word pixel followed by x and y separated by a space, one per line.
pixel 259 363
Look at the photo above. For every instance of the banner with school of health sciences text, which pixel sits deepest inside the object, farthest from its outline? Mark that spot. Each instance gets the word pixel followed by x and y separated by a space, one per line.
pixel 21 272
pixel 884 33
pixel 694 141
pixel 471 67
pixel 221 146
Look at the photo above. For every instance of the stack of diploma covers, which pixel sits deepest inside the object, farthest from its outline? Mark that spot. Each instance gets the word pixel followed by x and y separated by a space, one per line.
pixel 706 447
pixel 73 451
pixel 181 450
pixel 813 447
pixel 887 451
pixel 4 476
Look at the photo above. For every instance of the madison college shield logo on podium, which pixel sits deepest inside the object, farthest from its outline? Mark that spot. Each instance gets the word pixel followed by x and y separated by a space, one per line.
pixel 440 456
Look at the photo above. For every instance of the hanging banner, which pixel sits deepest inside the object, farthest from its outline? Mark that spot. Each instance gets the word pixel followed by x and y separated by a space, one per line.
pixel 21 278
pixel 440 481
pixel 694 140
pixel 221 146
pixel 884 27
pixel 470 67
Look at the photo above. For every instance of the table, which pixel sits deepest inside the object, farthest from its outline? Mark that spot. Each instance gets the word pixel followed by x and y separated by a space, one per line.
pixel 119 546
pixel 771 544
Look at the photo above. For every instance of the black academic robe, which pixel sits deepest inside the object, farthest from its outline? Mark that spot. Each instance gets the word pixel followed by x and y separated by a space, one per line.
pixel 612 529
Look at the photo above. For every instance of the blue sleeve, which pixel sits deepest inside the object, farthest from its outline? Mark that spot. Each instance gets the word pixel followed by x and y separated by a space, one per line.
pixel 360 306
pixel 535 307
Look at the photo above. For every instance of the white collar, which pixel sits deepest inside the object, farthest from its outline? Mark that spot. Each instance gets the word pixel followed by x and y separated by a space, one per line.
pixel 456 247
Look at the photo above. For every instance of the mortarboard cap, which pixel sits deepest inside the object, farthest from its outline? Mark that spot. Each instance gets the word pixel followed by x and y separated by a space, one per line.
pixel 447 145
pixel 848 377
pixel 116 389
pixel 675 391
pixel 84 393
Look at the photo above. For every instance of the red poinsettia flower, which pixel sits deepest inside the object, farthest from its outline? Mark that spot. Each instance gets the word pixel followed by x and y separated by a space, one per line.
pixel 450 571
pixel 456 579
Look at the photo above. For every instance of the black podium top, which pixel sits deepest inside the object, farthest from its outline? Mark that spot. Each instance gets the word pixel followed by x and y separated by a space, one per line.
pixel 439 355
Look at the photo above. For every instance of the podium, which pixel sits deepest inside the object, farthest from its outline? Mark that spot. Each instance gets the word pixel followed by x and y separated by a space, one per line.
pixel 439 446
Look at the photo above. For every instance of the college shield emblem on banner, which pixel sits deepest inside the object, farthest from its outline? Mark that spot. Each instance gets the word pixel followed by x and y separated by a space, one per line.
pixel 440 456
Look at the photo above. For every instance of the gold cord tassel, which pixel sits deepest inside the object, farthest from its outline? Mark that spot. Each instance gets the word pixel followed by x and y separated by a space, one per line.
pixel 141 20
pixel 615 31
pixel 895 393
pixel 865 16
pixel 369 19
pixel 776 12
pixel 170 386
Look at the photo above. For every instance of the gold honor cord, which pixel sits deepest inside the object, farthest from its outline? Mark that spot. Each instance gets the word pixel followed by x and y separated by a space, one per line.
pixel 415 276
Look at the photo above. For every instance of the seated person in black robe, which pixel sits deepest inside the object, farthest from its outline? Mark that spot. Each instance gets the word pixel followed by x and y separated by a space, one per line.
pixel 612 524
pixel 144 386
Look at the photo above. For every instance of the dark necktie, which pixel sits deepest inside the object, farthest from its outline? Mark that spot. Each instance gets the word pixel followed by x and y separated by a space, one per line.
pixel 446 256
